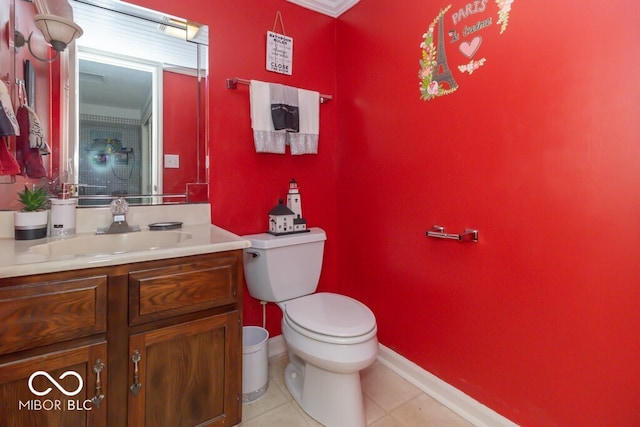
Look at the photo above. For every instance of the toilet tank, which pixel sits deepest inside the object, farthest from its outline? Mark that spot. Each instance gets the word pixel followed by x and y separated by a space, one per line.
pixel 279 268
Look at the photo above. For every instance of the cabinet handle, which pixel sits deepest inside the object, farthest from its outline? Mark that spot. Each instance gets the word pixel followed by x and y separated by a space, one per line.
pixel 135 387
pixel 99 397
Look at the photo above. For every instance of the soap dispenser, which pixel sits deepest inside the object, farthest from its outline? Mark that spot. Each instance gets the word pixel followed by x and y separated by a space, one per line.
pixel 63 213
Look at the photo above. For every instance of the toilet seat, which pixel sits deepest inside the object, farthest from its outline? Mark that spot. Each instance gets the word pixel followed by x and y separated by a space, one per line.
pixel 330 318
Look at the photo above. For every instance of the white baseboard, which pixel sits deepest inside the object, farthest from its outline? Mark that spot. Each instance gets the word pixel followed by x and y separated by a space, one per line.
pixel 468 408
pixel 465 406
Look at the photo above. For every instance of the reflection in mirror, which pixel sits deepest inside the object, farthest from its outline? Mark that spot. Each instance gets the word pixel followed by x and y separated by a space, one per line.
pixel 139 123
pixel 119 143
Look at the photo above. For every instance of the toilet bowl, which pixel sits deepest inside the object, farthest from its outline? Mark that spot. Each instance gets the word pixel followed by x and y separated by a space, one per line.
pixel 330 337
pixel 332 331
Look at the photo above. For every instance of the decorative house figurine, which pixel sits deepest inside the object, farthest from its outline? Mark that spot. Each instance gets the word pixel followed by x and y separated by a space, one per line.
pixel 294 202
pixel 281 219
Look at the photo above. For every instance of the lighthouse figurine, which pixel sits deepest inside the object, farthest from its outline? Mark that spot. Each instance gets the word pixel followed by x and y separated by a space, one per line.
pixel 294 202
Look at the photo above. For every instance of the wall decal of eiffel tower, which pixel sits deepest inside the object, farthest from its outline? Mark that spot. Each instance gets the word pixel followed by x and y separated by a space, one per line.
pixel 442 73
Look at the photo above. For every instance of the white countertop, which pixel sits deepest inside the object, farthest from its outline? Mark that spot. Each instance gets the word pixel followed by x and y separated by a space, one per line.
pixel 16 260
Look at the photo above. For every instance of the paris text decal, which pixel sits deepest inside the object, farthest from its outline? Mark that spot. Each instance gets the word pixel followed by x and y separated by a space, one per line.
pixel 466 26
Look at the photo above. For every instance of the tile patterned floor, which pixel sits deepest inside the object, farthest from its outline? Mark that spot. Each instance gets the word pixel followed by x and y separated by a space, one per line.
pixel 390 401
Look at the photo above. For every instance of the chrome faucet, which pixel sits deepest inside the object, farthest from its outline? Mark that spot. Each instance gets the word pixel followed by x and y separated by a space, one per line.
pixel 119 208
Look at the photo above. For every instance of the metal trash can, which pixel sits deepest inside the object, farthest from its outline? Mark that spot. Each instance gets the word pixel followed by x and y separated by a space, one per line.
pixel 255 363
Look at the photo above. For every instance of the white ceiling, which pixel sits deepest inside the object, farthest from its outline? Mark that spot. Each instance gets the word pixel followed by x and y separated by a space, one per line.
pixel 332 8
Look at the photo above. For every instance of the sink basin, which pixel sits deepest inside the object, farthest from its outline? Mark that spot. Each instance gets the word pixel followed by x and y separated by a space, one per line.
pixel 112 243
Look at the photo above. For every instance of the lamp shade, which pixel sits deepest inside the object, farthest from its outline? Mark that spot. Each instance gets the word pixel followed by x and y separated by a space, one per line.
pixel 57 31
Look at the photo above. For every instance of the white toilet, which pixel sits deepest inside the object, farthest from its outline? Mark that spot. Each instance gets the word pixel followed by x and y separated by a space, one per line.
pixel 330 337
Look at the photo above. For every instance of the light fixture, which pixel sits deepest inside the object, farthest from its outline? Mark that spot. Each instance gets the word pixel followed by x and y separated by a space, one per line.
pixel 58 32
pixel 180 28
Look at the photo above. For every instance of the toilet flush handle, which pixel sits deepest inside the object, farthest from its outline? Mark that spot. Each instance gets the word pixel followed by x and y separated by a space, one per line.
pixel 253 254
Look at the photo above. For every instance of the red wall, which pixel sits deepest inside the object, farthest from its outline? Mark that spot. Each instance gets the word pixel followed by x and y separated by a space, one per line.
pixel 538 150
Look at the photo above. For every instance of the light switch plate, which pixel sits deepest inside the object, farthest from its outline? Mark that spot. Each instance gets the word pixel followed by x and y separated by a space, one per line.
pixel 171 161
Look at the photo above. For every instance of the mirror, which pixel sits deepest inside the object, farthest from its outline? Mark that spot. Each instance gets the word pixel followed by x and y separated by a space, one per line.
pixel 138 119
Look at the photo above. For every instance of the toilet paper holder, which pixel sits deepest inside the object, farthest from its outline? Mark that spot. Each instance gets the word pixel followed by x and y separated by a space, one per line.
pixel 469 235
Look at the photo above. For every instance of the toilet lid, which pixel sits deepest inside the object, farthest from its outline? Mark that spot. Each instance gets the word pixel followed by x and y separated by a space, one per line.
pixel 331 314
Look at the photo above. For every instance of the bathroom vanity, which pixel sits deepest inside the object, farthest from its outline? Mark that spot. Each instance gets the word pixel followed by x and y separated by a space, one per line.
pixel 146 338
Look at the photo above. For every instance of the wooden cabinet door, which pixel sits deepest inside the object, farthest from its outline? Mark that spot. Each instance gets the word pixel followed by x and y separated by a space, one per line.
pixel 187 375
pixel 56 389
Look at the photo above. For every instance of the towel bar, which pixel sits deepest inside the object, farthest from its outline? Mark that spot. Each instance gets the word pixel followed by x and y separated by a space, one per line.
pixel 232 83
pixel 469 235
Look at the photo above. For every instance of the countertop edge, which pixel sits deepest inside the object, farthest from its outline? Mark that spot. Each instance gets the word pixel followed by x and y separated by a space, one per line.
pixel 220 241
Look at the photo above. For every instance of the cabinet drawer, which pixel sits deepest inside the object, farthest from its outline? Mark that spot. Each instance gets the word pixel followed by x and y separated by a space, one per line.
pixel 162 292
pixel 42 313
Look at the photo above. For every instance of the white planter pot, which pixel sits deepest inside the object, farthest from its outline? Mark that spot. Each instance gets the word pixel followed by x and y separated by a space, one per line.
pixel 30 225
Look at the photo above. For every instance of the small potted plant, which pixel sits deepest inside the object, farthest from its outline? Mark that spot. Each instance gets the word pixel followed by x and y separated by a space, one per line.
pixel 31 222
